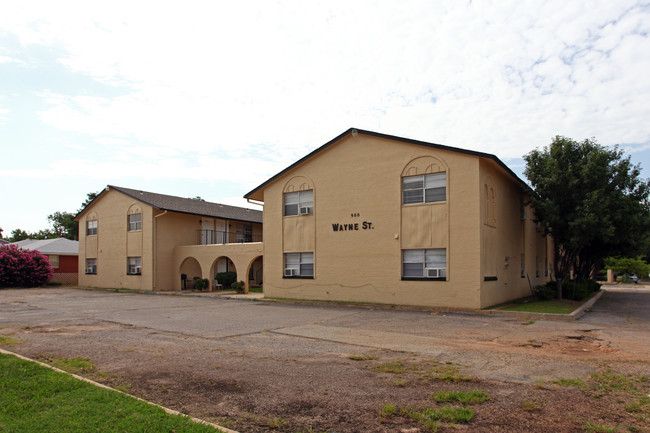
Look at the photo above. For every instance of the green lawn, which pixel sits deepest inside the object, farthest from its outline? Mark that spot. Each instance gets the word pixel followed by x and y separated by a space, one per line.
pixel 552 306
pixel 36 399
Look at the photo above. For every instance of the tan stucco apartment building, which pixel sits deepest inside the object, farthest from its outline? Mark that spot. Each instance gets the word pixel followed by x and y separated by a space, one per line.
pixel 146 241
pixel 369 217
pixel 366 217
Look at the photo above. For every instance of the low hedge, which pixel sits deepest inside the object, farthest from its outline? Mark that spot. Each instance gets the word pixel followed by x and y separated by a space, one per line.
pixel 575 290
pixel 226 279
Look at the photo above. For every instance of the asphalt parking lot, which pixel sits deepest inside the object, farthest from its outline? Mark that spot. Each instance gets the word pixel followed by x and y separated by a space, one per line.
pixel 243 360
pixel 619 316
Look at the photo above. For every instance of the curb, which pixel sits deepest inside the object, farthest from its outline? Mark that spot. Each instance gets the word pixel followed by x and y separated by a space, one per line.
pixel 100 385
pixel 575 315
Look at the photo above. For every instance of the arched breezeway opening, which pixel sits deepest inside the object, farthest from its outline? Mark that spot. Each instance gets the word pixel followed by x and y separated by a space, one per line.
pixel 223 273
pixel 190 270
pixel 256 273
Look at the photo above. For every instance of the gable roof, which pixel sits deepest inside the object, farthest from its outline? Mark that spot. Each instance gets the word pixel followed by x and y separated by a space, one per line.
pixel 185 205
pixel 355 131
pixel 61 246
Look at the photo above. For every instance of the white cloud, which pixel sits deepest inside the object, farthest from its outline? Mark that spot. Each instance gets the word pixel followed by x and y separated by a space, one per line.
pixel 266 82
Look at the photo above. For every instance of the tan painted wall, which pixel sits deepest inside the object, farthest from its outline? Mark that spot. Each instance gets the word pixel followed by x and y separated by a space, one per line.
pixel 359 180
pixel 505 235
pixel 113 244
pixel 162 232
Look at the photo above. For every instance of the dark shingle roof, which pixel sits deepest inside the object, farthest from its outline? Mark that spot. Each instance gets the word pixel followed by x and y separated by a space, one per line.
pixel 190 206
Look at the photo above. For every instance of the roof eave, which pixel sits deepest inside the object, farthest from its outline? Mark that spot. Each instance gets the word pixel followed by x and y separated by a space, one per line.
pixel 257 193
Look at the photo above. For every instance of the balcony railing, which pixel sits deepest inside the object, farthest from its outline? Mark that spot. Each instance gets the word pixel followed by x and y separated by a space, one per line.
pixel 216 237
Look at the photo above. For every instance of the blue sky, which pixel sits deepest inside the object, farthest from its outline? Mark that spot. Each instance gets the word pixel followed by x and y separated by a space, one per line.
pixel 211 98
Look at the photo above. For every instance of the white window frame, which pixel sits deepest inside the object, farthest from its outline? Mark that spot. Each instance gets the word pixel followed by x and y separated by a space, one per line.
pixel 424 264
pixel 298 265
pixel 91 227
pixel 54 261
pixel 134 222
pixel 134 265
pixel 299 203
pixel 91 266
pixel 424 188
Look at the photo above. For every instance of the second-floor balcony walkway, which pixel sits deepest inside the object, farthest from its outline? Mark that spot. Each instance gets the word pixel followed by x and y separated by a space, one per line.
pixel 217 237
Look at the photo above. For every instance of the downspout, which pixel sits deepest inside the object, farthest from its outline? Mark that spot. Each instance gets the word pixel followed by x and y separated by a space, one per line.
pixel 155 249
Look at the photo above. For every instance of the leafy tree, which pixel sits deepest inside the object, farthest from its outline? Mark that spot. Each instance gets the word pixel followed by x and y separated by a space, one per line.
pixel 64 225
pixel 591 200
pixel 89 197
pixel 628 265
pixel 18 235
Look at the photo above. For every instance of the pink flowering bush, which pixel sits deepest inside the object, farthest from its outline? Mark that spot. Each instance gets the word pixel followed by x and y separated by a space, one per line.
pixel 23 268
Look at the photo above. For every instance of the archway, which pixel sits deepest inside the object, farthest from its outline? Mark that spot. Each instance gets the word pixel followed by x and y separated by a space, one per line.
pixel 190 269
pixel 256 273
pixel 221 265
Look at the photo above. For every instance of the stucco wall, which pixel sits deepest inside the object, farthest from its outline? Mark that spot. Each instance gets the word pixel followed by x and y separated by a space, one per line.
pixel 161 233
pixel 113 243
pixel 357 181
pixel 505 236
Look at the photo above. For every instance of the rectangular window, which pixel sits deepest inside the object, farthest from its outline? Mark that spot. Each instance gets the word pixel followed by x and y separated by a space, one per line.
pixel 54 261
pixel 429 264
pixel 299 265
pixel 427 188
pixel 299 203
pixel 134 266
pixel 135 222
pixel 91 228
pixel 91 266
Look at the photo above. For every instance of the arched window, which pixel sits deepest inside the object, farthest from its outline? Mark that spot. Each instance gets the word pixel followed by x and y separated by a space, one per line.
pixel 424 180
pixel 134 219
pixel 91 225
pixel 298 196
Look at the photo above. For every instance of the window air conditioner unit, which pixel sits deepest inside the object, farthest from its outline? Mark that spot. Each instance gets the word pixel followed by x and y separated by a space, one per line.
pixel 308 210
pixel 289 272
pixel 138 269
pixel 90 271
pixel 434 272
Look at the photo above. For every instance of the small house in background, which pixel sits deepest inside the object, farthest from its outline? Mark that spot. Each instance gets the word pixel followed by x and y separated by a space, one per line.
pixel 63 255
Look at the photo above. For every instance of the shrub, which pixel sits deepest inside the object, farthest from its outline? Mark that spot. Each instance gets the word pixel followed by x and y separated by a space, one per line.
pixel 238 285
pixel 576 290
pixel 546 291
pixel 226 278
pixel 23 268
pixel 201 283
pixel 579 290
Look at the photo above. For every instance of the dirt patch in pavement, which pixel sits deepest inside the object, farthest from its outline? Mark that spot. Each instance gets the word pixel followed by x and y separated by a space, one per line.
pixel 275 382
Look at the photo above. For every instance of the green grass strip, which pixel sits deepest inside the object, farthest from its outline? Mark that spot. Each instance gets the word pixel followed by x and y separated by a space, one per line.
pixel 36 399
pixel 552 306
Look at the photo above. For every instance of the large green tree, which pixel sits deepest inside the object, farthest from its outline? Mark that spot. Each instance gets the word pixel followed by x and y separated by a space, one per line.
pixel 64 225
pixel 591 199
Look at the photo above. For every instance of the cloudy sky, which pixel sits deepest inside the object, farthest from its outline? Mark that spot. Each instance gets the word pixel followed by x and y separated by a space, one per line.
pixel 211 98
